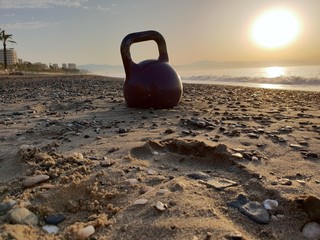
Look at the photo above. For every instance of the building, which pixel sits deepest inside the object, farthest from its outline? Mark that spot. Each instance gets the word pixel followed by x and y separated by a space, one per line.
pixel 64 66
pixel 72 66
pixel 11 56
pixel 54 66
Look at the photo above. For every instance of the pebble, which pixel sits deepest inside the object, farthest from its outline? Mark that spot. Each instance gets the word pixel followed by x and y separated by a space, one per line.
pixel 256 212
pixel 140 201
pixel 160 206
pixel 220 183
pixel 198 175
pixel 31 181
pixel 86 232
pixel 6 206
pixel 237 155
pixel 240 201
pixel 312 155
pixel 54 219
pixel 296 146
pixel 151 172
pixel 270 204
pixel 132 181
pixel 22 216
pixel 122 130
pixel 311 206
pixel 50 229
pixel 163 191
pixel 311 231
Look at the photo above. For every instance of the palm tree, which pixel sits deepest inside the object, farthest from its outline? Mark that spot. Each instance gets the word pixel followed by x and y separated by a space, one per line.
pixel 5 38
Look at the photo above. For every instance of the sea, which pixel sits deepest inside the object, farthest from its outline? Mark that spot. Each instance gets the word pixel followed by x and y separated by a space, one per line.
pixel 305 78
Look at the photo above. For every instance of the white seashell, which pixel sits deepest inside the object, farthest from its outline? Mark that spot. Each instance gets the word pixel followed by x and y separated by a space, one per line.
pixel 141 201
pixel 311 231
pixel 50 229
pixel 31 181
pixel 270 204
pixel 160 206
pixel 86 232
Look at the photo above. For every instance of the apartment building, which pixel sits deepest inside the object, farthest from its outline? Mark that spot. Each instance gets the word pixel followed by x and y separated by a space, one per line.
pixel 11 56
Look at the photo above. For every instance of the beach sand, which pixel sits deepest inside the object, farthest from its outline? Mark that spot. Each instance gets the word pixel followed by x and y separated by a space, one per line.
pixel 76 160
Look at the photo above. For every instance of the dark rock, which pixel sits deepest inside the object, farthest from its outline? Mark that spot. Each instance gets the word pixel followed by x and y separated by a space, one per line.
pixel 256 212
pixel 198 175
pixel 54 219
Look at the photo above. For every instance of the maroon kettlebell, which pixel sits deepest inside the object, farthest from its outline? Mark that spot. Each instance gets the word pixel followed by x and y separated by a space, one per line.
pixel 150 83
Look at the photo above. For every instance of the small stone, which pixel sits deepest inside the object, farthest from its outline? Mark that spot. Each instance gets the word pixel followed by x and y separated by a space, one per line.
pixel 312 155
pixel 240 201
pixel 254 158
pixel 22 216
pixel 86 232
pixel 198 175
pixel 237 155
pixel 31 181
pixel 296 146
pixel 256 212
pixel 151 172
pixel 107 163
pixel 253 135
pixel 132 181
pixel 50 229
pixel 6 206
pixel 311 231
pixel 169 131
pixel 311 206
pixel 160 206
pixel 270 204
pixel 141 201
pixel 145 189
pixel 122 130
pixel 220 183
pixel 285 181
pixel 54 219
pixel 163 191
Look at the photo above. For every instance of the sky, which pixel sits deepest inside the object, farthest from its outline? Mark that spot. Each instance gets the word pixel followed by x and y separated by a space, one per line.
pixel 91 31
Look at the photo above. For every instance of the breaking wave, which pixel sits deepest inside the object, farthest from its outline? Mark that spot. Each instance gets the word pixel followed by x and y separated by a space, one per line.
pixel 284 80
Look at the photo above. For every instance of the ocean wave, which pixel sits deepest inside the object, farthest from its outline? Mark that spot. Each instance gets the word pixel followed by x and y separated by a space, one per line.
pixel 286 80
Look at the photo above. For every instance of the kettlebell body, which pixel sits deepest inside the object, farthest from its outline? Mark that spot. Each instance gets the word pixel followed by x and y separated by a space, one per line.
pixel 150 83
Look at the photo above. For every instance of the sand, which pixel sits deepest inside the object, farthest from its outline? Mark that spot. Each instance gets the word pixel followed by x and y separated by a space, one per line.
pixel 70 147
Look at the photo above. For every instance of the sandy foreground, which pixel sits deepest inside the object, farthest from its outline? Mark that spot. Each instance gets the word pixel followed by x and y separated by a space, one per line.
pixel 226 163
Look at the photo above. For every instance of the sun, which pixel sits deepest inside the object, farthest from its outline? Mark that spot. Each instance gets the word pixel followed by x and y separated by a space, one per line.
pixel 275 28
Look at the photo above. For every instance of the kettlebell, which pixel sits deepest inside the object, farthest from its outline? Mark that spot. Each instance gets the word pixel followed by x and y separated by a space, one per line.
pixel 152 83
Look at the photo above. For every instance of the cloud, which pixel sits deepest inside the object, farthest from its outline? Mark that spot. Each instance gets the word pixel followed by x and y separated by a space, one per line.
pixel 18 4
pixel 29 25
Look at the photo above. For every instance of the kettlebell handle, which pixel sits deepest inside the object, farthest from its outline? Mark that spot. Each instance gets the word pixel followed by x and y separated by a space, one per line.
pixel 141 37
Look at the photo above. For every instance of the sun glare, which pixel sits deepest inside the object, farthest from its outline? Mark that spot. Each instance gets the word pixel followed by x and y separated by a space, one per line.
pixel 275 29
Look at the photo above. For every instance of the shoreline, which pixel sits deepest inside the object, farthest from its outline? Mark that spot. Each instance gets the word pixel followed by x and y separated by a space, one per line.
pixel 72 148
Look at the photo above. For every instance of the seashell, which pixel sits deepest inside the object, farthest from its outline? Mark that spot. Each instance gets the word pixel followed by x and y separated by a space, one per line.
pixel 270 204
pixel 86 232
pixel 31 181
pixel 160 206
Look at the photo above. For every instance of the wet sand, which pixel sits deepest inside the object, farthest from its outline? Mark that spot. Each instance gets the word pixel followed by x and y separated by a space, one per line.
pixel 76 160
